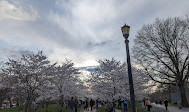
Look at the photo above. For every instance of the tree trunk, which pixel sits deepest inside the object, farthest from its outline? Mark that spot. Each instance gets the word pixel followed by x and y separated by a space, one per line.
pixel 169 89
pixel 17 103
pixel 26 106
pixel 42 104
pixel 61 103
pixel 30 104
pixel 183 95
pixel 47 103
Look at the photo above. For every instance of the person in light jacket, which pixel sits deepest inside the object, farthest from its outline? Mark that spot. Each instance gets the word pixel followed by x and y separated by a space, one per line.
pixel 148 104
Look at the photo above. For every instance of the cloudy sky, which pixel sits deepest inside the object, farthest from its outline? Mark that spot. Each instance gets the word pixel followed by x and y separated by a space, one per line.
pixel 80 30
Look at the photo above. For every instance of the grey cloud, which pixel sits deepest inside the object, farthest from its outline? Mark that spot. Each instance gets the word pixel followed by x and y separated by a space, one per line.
pixel 10 10
pixel 82 30
pixel 100 44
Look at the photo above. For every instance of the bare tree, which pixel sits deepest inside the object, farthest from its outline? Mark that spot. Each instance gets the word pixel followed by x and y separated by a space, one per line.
pixel 162 49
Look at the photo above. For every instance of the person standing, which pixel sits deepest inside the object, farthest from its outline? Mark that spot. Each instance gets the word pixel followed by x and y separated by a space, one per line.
pixel 160 102
pixel 72 105
pixel 119 103
pixel 148 104
pixel 113 104
pixel 125 104
pixel 86 105
pixel 143 103
pixel 96 103
pixel 166 103
pixel 66 103
pixel 75 104
pixel 91 104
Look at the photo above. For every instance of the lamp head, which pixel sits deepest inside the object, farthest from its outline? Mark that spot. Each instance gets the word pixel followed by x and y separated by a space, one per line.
pixel 125 30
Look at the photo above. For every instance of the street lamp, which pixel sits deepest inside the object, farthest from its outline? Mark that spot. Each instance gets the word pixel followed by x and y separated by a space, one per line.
pixel 125 30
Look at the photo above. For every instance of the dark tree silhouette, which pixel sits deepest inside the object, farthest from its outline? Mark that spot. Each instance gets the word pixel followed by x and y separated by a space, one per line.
pixel 162 49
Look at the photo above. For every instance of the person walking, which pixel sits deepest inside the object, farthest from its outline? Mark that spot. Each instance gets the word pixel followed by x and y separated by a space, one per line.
pixel 91 104
pixel 148 104
pixel 166 103
pixel 125 104
pixel 119 103
pixel 86 105
pixel 72 105
pixel 66 103
pixel 75 104
pixel 96 103
pixel 143 103
pixel 113 105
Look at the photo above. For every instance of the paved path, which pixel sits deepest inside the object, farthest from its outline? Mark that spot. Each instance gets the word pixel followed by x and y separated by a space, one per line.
pixel 171 109
pixel 153 109
pixel 89 110
pixel 118 110
pixel 157 109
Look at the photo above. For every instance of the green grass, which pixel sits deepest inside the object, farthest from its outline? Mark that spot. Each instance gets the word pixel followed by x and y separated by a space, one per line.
pixel 101 109
pixel 139 108
pixel 51 108
pixel 174 105
pixel 170 104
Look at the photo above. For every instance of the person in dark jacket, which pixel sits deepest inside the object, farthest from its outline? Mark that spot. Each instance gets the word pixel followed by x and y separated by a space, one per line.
pixel 113 104
pixel 96 103
pixel 72 105
pixel 86 105
pixel 119 103
pixel 166 103
pixel 92 104
pixel 75 104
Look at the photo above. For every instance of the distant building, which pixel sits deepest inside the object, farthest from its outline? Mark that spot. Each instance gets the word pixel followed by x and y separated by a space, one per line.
pixel 5 104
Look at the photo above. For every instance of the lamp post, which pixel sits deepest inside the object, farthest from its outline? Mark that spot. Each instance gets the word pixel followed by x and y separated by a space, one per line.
pixel 125 30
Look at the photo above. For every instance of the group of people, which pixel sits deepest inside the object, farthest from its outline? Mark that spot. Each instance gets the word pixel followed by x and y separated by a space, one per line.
pixel 91 103
pixel 147 103
pixel 165 103
pixel 124 102
pixel 73 104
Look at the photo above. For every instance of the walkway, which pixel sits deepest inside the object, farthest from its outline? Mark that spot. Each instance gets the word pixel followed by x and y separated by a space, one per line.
pixel 154 109
pixel 171 109
pixel 157 109
pixel 89 110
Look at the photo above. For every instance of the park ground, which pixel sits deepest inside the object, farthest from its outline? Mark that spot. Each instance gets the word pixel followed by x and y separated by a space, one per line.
pixel 155 108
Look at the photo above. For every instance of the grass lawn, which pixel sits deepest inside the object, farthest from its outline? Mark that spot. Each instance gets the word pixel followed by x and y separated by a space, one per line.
pixel 12 110
pixel 174 105
pixel 51 108
pixel 103 108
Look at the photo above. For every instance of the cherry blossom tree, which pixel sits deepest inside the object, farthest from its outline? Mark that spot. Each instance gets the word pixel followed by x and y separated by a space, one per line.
pixel 111 80
pixel 65 82
pixel 27 75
